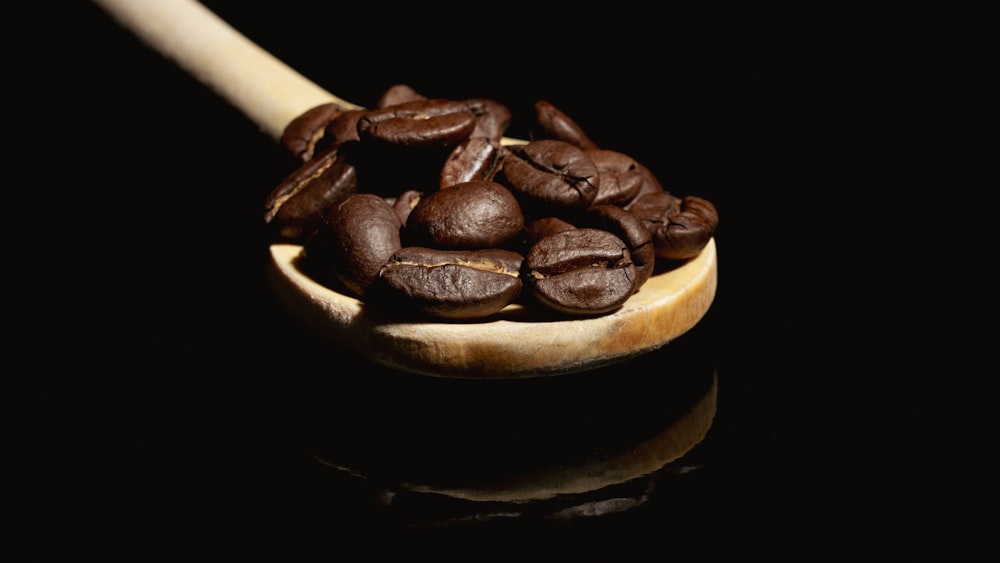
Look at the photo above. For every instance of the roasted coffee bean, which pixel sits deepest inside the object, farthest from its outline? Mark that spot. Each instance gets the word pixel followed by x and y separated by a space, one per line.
pixel 477 214
pixel 541 227
pixel 631 230
pixel 478 158
pixel 398 94
pixel 302 134
pixel 655 211
pixel 405 146
pixel 621 177
pixel 419 123
pixel 580 272
pixel 449 284
pixel 650 185
pixel 555 124
pixel 550 176
pixel 405 203
pixel 681 227
pixel 293 210
pixel 492 118
pixel 344 128
pixel 358 236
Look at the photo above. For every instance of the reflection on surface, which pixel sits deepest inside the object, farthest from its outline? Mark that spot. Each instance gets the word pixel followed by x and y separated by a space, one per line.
pixel 435 452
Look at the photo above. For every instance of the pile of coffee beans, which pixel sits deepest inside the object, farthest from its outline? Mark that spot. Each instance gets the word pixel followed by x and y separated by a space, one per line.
pixel 416 206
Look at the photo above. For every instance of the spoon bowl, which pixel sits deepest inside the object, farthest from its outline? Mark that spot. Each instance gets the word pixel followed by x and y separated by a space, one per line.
pixel 515 343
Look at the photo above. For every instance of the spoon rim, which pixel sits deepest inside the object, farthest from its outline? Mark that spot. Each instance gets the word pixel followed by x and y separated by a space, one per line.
pixel 515 343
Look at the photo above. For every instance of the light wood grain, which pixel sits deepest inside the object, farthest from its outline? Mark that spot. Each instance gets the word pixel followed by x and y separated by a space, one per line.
pixel 268 91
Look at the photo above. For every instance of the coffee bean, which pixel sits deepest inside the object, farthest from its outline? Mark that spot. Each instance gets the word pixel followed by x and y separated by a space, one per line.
pixel 404 146
pixel 621 177
pixel 449 284
pixel 293 210
pixel 302 134
pixel 477 158
pixel 419 123
pixel 492 118
pixel 631 230
pixel 398 94
pixel 550 177
pixel 405 203
pixel 541 227
pixel 650 185
pixel 555 124
pixel 580 272
pixel 358 236
pixel 681 227
pixel 476 214
pixel 344 128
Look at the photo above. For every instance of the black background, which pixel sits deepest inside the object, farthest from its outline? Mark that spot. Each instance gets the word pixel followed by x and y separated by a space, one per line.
pixel 197 381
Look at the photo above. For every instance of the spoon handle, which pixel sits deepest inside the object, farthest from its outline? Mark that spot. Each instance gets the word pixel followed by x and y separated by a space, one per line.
pixel 269 92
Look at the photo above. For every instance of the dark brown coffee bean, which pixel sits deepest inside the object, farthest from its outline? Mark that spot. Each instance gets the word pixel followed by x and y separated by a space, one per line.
pixel 477 214
pixel 536 229
pixel 294 208
pixel 650 185
pixel 681 227
pixel 492 118
pixel 478 158
pixel 302 134
pixel 405 203
pixel 398 94
pixel 344 128
pixel 631 230
pixel 449 284
pixel 620 175
pixel 419 123
pixel 692 228
pixel 580 272
pixel 541 227
pixel 550 176
pixel 404 146
pixel 656 209
pixel 557 125
pixel 358 236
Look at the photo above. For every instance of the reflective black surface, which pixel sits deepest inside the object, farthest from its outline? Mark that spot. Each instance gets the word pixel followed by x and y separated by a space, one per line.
pixel 227 423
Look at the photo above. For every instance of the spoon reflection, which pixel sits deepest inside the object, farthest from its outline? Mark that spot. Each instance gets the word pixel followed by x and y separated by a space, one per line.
pixel 449 450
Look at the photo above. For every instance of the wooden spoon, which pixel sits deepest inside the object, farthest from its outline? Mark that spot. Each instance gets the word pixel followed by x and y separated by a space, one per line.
pixel 516 343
